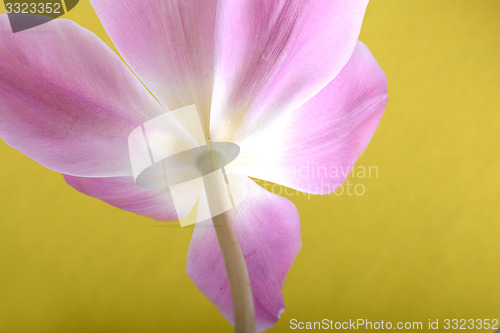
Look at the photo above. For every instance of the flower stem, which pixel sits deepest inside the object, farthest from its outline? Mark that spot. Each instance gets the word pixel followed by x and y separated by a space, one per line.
pixel 239 281
pixel 236 268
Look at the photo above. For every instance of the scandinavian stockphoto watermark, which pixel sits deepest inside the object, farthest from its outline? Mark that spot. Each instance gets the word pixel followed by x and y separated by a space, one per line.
pixel 354 325
pixel 321 180
pixel 366 325
pixel 171 153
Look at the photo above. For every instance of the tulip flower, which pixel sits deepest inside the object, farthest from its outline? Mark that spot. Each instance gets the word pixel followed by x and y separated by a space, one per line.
pixel 287 81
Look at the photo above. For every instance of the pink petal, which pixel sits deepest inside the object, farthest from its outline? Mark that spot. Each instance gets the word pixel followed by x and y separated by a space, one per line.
pixel 272 56
pixel 314 149
pixel 268 228
pixel 123 193
pixel 67 101
pixel 168 44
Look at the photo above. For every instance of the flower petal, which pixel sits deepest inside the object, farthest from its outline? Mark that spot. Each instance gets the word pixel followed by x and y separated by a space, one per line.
pixel 314 149
pixel 123 193
pixel 67 101
pixel 272 56
pixel 168 44
pixel 268 228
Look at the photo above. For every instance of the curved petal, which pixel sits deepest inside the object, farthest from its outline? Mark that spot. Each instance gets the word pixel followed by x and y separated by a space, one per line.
pixel 272 56
pixel 67 100
pixel 168 44
pixel 123 193
pixel 268 228
pixel 314 149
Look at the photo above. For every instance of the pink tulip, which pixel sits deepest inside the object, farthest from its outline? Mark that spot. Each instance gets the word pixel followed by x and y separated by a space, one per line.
pixel 285 80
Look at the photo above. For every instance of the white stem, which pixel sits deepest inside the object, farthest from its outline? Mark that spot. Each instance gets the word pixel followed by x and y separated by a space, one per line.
pixel 236 268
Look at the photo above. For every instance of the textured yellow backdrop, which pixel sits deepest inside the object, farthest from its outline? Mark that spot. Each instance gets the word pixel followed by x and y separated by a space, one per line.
pixel 423 242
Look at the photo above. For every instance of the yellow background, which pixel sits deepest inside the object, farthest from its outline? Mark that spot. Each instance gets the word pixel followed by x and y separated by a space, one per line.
pixel 423 242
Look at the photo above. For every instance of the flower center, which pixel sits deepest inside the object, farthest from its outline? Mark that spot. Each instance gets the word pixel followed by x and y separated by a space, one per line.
pixel 220 154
